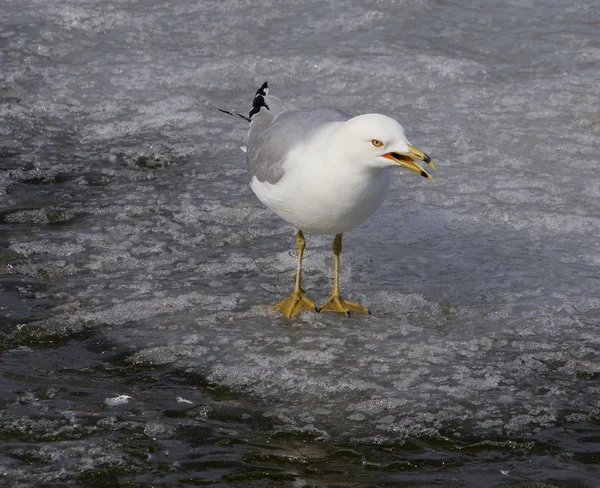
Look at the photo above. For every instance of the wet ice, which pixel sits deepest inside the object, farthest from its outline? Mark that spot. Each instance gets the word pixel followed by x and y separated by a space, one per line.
pixel 126 192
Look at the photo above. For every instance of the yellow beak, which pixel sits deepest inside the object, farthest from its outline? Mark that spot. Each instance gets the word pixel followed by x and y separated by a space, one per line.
pixel 407 160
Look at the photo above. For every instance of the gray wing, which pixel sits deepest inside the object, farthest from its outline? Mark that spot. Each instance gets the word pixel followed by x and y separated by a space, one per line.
pixel 276 130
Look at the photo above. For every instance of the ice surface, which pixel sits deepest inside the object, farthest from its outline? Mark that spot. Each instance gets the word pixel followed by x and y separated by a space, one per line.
pixel 118 400
pixel 125 191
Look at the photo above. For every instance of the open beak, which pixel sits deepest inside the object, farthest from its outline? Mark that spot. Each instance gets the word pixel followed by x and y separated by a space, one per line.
pixel 407 160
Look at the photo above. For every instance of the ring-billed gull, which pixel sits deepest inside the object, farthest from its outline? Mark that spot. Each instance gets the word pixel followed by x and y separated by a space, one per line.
pixel 324 172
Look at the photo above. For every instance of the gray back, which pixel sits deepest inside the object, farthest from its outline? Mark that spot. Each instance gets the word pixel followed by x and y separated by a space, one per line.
pixel 277 130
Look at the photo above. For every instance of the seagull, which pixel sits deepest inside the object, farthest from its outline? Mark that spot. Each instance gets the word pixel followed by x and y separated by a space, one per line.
pixel 324 172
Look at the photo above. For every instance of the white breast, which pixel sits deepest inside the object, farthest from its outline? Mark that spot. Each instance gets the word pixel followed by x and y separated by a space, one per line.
pixel 322 199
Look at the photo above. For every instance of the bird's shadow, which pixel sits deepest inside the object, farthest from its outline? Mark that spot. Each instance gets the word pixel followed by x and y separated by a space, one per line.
pixel 448 261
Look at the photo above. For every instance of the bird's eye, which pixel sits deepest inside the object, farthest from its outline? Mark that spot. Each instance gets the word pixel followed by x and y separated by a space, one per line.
pixel 377 143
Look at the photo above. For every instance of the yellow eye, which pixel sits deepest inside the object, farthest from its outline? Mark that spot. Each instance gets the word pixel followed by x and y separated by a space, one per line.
pixel 377 143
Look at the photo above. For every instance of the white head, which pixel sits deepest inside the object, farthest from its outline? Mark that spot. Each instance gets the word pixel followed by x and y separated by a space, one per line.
pixel 375 141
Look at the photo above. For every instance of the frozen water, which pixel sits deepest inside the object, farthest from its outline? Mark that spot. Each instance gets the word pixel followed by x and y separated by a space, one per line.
pixel 125 190
pixel 118 400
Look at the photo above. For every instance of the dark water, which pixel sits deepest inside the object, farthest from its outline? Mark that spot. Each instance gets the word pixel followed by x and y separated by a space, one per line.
pixel 138 345
pixel 58 430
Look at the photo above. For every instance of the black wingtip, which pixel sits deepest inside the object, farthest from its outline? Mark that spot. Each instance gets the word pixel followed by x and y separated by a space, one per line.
pixel 263 90
pixel 233 114
pixel 259 100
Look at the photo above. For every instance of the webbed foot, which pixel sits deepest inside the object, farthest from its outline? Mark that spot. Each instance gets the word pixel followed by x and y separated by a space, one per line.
pixel 295 303
pixel 338 304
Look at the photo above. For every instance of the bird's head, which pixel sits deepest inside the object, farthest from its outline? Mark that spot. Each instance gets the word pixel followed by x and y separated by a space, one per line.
pixel 379 142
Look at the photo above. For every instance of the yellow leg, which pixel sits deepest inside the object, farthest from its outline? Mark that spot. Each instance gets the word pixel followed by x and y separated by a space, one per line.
pixel 336 303
pixel 297 302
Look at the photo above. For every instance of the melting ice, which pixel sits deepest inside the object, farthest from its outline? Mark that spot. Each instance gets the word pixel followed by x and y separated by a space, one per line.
pixel 125 190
